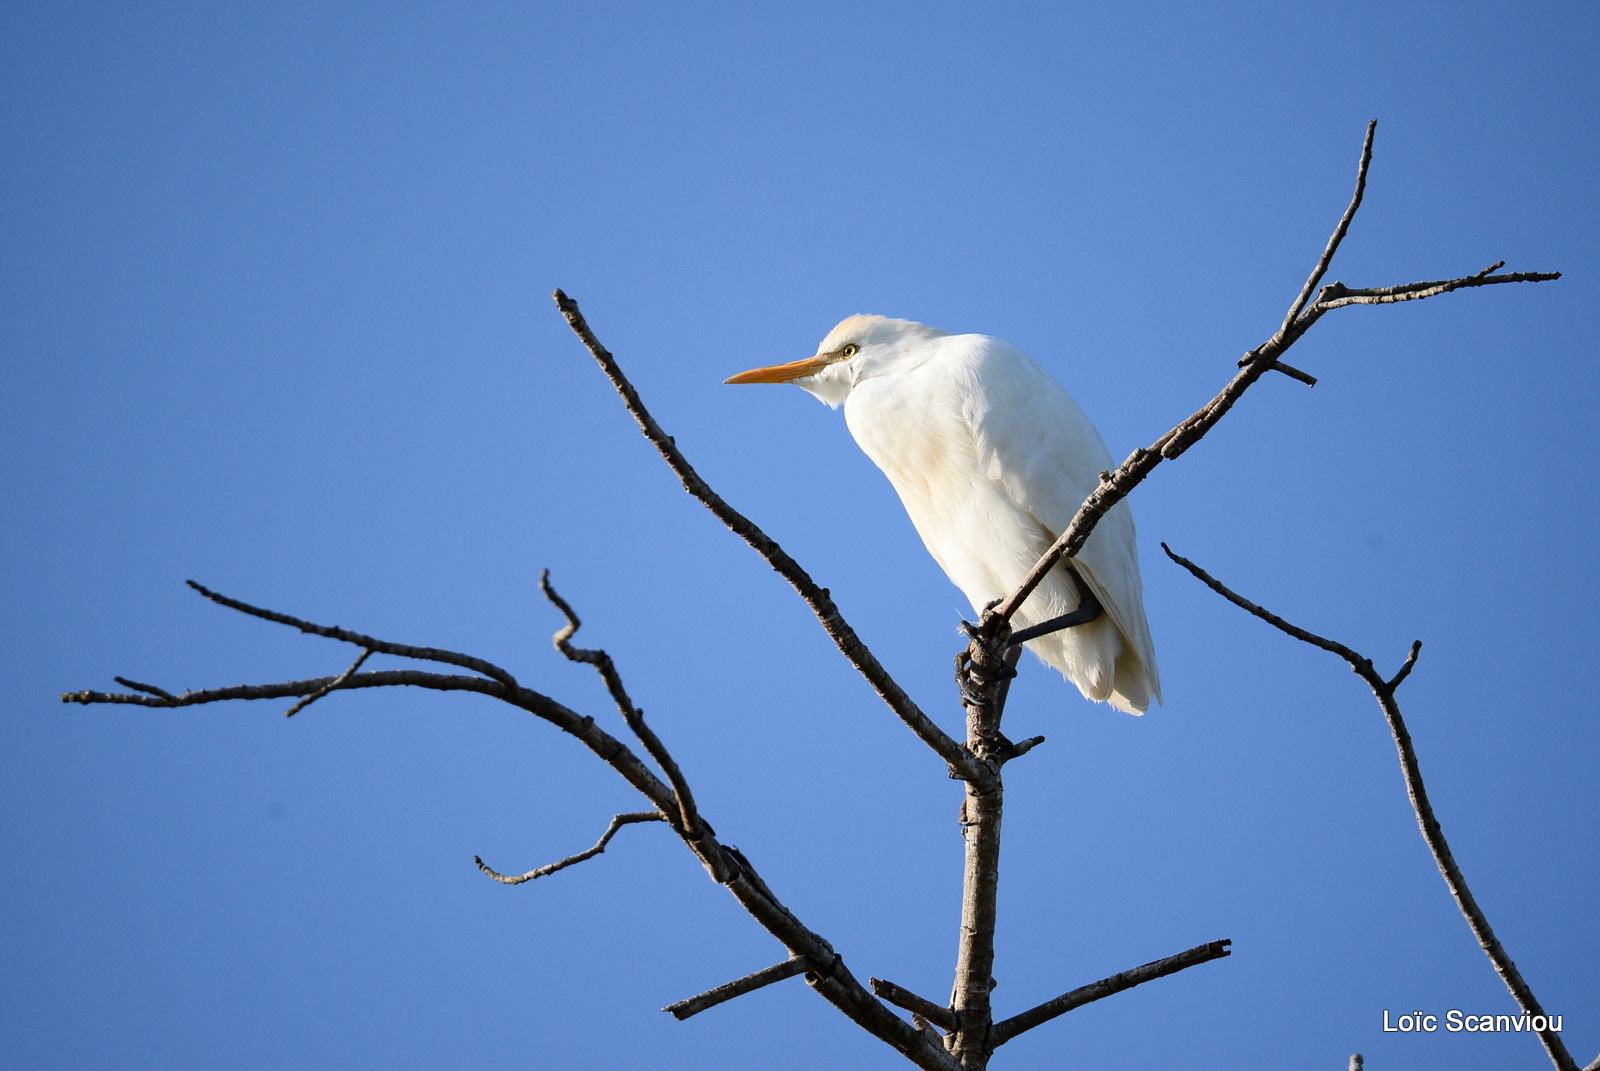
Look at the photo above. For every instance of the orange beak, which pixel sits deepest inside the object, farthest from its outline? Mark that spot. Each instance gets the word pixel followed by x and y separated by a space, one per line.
pixel 783 373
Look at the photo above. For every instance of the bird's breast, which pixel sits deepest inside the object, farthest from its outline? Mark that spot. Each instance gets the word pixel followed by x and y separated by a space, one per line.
pixel 919 442
pixel 922 442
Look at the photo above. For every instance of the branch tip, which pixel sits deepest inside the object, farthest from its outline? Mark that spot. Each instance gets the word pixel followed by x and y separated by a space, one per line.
pixel 149 689
pixel 1338 234
pixel 572 626
pixel 738 987
pixel 1405 670
pixel 617 822
pixel 1357 663
pixel 1022 747
pixel 1007 1029
pixel 1293 373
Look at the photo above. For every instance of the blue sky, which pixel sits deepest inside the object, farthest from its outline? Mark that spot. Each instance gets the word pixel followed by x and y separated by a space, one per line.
pixel 276 317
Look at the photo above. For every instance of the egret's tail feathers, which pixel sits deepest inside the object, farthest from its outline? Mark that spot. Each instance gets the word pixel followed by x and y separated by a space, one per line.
pixel 1095 658
pixel 1134 688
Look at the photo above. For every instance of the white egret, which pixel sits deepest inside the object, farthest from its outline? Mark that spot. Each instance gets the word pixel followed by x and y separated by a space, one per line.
pixel 992 457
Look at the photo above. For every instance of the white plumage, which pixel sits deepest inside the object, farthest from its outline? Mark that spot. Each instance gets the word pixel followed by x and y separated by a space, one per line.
pixel 992 457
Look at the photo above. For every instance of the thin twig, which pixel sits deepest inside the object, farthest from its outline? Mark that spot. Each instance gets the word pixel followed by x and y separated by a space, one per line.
pixel 739 987
pixel 1331 646
pixel 1007 1029
pixel 1022 747
pixel 337 682
pixel 1337 295
pixel 1294 373
pixel 817 597
pixel 140 686
pixel 334 632
pixel 1432 832
pixel 943 1018
pixel 687 813
pixel 617 822
pixel 1405 670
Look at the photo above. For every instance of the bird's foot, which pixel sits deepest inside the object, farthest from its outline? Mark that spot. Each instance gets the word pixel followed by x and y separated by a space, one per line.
pixel 976 689
pixel 1089 609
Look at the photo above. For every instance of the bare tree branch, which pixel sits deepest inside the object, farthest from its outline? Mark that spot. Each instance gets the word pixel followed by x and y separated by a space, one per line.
pixel 337 682
pixel 443 682
pixel 817 597
pixel 739 987
pixel 943 1018
pixel 1007 1029
pixel 687 814
pixel 1331 646
pixel 617 822
pixel 1115 486
pixel 834 981
pixel 493 683
pixel 1337 295
pixel 1432 833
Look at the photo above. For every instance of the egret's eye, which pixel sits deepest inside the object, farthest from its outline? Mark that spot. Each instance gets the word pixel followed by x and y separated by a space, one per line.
pixel 850 351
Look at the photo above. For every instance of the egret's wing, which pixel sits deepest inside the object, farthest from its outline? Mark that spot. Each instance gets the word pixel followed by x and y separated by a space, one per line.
pixel 1033 439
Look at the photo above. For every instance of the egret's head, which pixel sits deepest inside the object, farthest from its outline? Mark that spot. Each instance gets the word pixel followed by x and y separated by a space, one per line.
pixel 859 348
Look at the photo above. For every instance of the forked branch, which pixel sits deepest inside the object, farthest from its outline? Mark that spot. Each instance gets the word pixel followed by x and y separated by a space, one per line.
pixel 1432 833
pixel 826 974
pixel 1116 485
pixel 817 597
